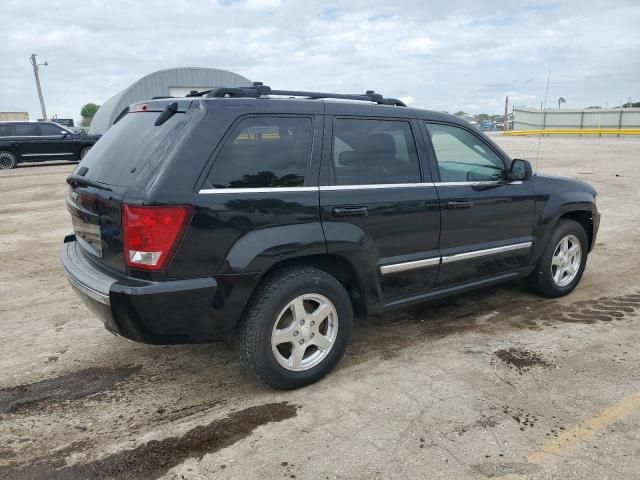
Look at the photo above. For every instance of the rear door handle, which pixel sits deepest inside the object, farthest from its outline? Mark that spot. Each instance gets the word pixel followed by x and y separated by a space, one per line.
pixel 455 205
pixel 350 212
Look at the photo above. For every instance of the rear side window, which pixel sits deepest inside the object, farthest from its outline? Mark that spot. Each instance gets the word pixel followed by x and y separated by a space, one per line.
pixel 374 152
pixel 26 130
pixel 6 130
pixel 264 152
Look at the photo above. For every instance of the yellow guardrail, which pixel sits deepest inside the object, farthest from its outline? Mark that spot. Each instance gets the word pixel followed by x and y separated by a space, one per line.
pixel 576 131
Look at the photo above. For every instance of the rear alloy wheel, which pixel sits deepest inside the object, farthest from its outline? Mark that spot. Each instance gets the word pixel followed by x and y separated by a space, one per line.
pixel 304 332
pixel 84 151
pixel 8 160
pixel 296 327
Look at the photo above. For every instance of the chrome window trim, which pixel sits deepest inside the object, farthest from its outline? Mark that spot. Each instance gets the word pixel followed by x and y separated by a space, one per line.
pixel 487 251
pixel 48 154
pixel 488 182
pixel 324 188
pixel 372 186
pixel 402 267
pixel 210 191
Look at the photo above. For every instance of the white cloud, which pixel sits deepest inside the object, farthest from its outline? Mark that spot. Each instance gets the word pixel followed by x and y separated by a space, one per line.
pixel 262 4
pixel 460 56
pixel 421 45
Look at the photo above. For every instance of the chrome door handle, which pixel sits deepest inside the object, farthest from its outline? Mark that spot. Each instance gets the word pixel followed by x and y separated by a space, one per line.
pixel 456 205
pixel 350 212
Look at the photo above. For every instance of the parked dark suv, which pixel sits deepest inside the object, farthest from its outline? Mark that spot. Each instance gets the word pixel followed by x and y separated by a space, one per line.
pixel 272 220
pixel 40 141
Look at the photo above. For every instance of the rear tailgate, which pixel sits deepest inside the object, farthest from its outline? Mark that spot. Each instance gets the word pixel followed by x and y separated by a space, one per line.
pixel 122 164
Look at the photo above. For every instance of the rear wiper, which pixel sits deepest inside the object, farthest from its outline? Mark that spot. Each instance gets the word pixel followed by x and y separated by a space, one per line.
pixel 168 112
pixel 78 181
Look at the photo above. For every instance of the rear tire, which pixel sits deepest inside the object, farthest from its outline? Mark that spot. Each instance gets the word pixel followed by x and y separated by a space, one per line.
pixel 8 159
pixel 84 151
pixel 563 261
pixel 295 328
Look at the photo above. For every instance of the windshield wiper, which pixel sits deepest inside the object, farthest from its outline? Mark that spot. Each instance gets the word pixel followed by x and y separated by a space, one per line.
pixel 79 181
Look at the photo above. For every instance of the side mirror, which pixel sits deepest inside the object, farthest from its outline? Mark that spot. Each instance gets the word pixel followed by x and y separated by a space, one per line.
pixel 64 133
pixel 520 170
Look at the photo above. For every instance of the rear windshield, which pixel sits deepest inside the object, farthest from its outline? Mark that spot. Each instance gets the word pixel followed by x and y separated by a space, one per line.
pixel 130 152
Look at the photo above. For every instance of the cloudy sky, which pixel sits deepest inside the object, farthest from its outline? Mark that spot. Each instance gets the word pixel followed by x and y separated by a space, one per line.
pixel 446 55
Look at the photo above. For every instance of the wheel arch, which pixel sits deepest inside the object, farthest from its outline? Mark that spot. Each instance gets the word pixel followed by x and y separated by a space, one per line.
pixel 338 267
pixel 584 218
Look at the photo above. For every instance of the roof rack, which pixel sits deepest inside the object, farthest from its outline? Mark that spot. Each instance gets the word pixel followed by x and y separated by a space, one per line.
pixel 258 90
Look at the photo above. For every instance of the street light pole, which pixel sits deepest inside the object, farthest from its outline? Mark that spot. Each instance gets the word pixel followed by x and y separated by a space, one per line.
pixel 36 72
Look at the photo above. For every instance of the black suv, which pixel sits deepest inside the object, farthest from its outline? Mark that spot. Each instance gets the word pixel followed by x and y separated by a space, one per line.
pixel 40 141
pixel 272 216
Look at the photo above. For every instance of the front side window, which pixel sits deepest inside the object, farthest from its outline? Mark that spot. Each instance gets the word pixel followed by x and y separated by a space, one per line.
pixel 264 152
pixel 463 157
pixel 49 130
pixel 374 152
pixel 25 130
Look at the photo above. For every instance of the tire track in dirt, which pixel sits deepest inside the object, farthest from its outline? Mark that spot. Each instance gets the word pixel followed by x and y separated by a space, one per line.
pixel 154 458
pixel 387 335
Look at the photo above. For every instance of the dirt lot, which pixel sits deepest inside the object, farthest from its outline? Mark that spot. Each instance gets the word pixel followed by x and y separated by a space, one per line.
pixel 497 383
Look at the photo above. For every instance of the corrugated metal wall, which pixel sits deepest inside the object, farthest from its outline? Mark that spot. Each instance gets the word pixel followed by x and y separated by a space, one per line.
pixel 529 119
pixel 158 84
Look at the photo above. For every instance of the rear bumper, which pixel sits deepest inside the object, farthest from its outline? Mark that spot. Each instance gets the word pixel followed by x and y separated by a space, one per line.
pixel 169 312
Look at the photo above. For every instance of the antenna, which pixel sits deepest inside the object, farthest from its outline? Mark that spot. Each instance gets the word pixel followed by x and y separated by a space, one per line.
pixel 544 107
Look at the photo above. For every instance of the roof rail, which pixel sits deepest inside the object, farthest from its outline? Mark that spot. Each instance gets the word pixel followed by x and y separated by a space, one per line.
pixel 259 90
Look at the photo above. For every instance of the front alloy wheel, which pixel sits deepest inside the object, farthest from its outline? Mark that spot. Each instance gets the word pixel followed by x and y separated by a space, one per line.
pixel 562 262
pixel 566 260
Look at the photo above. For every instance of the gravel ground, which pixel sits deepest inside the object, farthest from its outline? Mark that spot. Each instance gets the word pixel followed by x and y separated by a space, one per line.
pixel 498 383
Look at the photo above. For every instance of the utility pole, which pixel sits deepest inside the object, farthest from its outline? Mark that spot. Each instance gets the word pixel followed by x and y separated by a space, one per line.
pixel 505 125
pixel 36 72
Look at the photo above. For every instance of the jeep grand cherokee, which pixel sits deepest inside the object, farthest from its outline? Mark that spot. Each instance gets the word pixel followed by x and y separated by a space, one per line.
pixel 271 216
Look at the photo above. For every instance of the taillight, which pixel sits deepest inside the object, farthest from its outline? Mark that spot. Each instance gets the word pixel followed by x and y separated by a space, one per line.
pixel 141 107
pixel 151 234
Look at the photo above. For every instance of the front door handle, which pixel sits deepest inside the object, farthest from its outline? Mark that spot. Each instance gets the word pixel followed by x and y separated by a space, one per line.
pixel 350 212
pixel 456 205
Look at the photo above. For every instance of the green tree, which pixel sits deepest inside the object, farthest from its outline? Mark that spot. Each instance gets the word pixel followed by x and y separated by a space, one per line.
pixel 460 113
pixel 87 112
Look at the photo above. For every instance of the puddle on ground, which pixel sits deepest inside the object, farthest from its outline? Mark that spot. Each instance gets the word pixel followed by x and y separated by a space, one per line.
pixel 521 360
pixel 154 458
pixel 72 386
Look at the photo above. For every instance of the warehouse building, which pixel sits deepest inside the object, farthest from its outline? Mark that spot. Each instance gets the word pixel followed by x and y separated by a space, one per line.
pixel 12 114
pixel 174 82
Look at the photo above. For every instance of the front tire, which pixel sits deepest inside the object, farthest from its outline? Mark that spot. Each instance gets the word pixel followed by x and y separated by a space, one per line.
pixel 563 261
pixel 84 151
pixel 296 327
pixel 8 160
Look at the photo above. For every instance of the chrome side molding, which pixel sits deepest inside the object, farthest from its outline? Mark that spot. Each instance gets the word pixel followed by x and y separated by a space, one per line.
pixel 401 267
pixel 488 251
pixel 429 262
